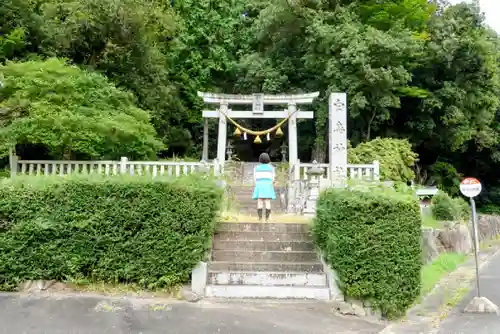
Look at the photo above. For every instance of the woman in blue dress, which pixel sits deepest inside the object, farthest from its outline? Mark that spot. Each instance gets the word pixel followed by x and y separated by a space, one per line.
pixel 264 185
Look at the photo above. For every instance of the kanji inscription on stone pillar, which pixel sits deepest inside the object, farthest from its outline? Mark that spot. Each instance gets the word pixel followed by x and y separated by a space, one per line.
pixel 337 106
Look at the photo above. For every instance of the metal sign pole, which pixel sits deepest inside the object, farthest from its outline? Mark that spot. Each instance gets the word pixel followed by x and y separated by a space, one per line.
pixel 476 242
pixel 471 187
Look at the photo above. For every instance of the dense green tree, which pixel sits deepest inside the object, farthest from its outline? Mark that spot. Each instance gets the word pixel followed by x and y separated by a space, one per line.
pixel 125 39
pixel 460 71
pixel 319 47
pixel 72 113
pixel 415 69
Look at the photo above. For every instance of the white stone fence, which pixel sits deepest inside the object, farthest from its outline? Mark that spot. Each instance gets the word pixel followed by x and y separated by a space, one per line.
pixel 165 168
pixel 366 172
pixel 123 166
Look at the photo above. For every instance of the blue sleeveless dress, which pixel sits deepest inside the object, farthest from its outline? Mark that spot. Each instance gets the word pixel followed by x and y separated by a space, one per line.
pixel 264 178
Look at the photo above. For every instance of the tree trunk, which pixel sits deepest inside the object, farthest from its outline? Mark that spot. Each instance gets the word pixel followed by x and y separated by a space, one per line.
pixel 369 127
pixel 319 151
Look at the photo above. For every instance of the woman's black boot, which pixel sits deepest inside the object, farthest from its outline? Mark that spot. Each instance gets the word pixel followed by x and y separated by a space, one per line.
pixel 259 213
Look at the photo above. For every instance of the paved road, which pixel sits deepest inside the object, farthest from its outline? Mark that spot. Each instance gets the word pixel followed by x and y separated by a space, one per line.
pixel 65 314
pixel 465 323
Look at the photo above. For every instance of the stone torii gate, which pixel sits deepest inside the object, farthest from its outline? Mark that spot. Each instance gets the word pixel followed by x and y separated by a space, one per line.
pixel 258 101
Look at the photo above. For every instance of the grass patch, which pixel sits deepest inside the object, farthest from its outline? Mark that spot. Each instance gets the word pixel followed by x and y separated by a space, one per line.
pixel 122 289
pixel 429 221
pixel 437 269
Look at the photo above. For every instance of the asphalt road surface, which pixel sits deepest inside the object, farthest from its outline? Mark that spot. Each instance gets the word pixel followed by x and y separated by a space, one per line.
pixel 468 323
pixel 72 314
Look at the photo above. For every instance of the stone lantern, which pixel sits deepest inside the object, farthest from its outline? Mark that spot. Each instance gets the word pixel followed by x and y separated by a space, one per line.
pixel 314 173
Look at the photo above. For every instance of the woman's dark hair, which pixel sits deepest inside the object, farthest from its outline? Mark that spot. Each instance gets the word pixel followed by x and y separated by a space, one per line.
pixel 264 158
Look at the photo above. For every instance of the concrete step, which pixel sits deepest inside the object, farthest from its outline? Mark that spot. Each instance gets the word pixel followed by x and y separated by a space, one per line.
pixel 263 256
pixel 264 236
pixel 269 278
pixel 252 210
pixel 309 267
pixel 259 245
pixel 247 204
pixel 242 191
pixel 243 187
pixel 247 193
pixel 264 227
pixel 270 292
pixel 249 188
pixel 247 198
pixel 243 195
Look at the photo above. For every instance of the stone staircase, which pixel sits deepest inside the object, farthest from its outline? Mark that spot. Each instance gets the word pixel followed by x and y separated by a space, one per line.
pixel 241 200
pixel 242 185
pixel 257 260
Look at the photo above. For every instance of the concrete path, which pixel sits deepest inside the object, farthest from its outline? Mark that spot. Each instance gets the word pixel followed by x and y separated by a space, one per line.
pixel 465 323
pixel 68 314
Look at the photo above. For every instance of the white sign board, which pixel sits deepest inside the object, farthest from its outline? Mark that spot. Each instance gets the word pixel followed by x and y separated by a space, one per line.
pixel 470 187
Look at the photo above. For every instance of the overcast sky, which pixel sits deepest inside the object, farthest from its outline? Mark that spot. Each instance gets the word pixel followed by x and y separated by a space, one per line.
pixel 489 7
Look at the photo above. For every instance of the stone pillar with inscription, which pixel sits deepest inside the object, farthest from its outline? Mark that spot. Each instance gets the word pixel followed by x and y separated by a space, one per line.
pixel 337 153
pixel 222 138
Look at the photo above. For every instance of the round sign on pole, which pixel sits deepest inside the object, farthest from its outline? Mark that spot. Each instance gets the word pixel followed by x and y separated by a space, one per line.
pixel 470 187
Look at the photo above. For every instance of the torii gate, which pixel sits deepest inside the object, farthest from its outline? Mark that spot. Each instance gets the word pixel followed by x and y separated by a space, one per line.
pixel 258 101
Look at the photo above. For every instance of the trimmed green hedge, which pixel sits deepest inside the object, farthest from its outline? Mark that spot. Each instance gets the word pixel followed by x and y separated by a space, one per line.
pixel 105 229
pixel 373 241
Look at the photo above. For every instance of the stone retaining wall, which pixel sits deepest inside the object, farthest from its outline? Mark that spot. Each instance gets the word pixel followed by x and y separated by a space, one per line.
pixel 457 237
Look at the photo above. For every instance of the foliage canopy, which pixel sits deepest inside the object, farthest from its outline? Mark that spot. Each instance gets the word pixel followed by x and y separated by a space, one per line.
pixel 71 112
pixel 421 70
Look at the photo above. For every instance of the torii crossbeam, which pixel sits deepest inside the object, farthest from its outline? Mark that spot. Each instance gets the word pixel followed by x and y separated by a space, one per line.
pixel 258 102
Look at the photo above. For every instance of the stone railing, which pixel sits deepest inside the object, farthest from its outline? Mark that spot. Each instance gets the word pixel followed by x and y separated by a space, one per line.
pixel 306 184
pixel 366 172
pixel 124 166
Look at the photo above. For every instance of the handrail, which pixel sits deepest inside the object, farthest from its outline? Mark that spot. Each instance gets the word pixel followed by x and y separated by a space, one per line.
pixel 110 167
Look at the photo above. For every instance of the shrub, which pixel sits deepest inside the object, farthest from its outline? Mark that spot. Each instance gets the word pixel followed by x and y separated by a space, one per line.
pixel 111 230
pixel 446 208
pixel 373 241
pixel 446 176
pixel 462 209
pixel 395 156
pixel 442 206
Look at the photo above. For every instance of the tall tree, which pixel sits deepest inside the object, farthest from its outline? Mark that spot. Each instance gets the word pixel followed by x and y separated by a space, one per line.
pixel 460 71
pixel 312 45
pixel 72 113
